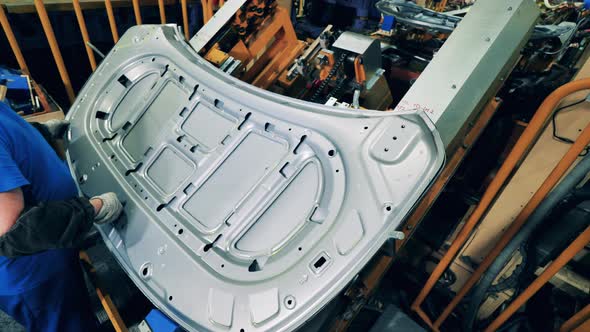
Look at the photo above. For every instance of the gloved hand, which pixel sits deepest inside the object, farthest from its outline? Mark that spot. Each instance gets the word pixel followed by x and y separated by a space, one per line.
pixel 111 208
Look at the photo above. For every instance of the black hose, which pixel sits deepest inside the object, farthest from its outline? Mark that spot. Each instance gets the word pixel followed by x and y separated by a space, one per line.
pixel 480 291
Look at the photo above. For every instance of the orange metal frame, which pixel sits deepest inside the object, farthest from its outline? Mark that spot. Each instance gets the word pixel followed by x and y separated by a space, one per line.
pixel 573 249
pixel 359 70
pixel 522 146
pixel 84 32
pixel 12 41
pixel 576 320
pixel 59 61
pixel 371 280
pixel 54 46
pixel 137 11
pixel 162 11
pixel 112 22
pixel 207 10
pixel 268 53
pixel 185 19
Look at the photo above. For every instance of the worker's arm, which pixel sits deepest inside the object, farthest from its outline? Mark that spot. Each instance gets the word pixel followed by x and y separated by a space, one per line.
pixel 26 230
pixel 51 225
pixel 12 204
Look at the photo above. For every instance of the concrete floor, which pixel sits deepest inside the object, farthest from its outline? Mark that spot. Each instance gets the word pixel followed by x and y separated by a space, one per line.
pixel 9 325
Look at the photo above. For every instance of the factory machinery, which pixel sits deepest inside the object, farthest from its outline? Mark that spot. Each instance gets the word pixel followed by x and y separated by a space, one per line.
pixel 374 69
pixel 305 169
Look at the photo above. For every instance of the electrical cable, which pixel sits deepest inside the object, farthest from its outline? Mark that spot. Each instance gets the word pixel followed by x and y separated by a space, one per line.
pixel 566 44
pixel 565 187
pixel 511 282
pixel 554 123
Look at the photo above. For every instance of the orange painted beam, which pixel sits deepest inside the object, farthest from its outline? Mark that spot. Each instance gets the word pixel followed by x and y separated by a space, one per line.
pixel 111 15
pixel 12 41
pixel 84 32
pixel 59 61
pixel 572 250
pixel 137 11
pixel 521 148
pixel 185 19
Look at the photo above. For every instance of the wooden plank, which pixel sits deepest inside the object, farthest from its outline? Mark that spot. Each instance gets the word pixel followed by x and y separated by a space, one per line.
pixel 57 115
pixel 104 297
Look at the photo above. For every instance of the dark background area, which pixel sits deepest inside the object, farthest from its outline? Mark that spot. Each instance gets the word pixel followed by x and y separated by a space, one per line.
pixel 35 48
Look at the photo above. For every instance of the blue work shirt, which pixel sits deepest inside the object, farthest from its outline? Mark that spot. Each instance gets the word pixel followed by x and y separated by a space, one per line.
pixel 28 161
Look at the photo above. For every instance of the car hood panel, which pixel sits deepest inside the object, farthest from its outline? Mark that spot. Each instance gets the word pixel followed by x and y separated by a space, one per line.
pixel 243 209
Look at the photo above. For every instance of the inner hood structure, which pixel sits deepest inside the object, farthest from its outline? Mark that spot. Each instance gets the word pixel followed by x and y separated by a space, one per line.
pixel 244 210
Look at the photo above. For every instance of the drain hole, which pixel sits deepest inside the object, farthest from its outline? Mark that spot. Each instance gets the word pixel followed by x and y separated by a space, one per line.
pixel 126 125
pixel 129 171
pixel 146 270
pixel 180 231
pixel 161 206
pixel 194 92
pixel 164 71
pixel 268 127
pixel 226 140
pixel 181 79
pixel 109 138
pixel 331 153
pixel 283 170
pixel 188 188
pixel 101 115
pixel 245 119
pixel 303 138
pixel 254 267
pixel 150 149
pixel 183 112
pixel 124 81
pixel 320 262
pixel 210 245
pixel 218 103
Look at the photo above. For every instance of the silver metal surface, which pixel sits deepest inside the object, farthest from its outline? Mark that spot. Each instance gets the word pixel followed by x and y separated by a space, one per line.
pixel 244 210
pixel 472 64
pixel 220 19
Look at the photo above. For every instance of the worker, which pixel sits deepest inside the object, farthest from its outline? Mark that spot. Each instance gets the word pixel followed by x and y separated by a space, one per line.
pixel 42 222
